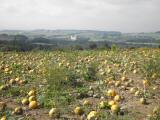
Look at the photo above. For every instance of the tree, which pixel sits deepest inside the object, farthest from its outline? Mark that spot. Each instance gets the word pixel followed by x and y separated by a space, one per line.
pixel 93 46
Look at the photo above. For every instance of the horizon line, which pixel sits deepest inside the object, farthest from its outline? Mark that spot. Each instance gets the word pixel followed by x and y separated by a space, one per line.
pixel 74 30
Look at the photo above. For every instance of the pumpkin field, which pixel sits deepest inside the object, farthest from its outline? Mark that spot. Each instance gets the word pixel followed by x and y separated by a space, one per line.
pixel 116 84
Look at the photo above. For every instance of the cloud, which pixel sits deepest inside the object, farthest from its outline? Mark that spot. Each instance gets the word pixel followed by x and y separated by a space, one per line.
pixel 123 15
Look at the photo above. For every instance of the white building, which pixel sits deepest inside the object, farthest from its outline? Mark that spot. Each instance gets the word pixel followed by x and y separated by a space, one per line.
pixel 73 37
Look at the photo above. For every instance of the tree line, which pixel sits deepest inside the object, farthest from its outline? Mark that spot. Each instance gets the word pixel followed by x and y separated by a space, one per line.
pixel 23 43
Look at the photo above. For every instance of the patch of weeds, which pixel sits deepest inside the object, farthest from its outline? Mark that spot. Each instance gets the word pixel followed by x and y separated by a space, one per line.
pixel 12 92
pixel 82 89
pixel 60 82
pixel 151 68
pixel 46 102
pixel 148 94
pixel 104 115
pixel 57 99
pixel 114 48
pixel 90 73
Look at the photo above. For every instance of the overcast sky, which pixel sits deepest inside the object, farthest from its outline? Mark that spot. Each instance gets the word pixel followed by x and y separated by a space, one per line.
pixel 110 15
